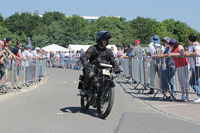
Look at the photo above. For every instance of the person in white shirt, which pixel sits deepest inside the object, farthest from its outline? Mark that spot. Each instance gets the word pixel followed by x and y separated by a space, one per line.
pixel 36 53
pixel 194 50
pixel 28 56
pixel 155 48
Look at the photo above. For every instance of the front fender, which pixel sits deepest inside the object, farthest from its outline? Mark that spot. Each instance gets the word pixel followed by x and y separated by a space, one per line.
pixel 111 83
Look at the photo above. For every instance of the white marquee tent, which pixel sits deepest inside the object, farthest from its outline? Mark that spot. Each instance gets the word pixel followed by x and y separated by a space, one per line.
pixel 72 47
pixel 54 48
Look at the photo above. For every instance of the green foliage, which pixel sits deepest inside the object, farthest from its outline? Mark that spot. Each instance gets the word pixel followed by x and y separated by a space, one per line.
pixel 49 17
pixel 55 27
pixel 179 29
pixel 1 18
pixel 24 23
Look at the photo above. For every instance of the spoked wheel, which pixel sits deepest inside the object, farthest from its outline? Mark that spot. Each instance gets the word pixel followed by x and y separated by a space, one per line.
pixel 105 101
pixel 84 102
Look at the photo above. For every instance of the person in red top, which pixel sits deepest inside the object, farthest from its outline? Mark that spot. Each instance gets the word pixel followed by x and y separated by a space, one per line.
pixel 181 64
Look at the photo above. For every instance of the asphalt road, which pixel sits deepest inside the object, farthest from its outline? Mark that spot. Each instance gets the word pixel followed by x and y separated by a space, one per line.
pixel 54 107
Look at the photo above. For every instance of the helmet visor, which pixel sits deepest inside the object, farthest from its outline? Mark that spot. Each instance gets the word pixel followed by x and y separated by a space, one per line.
pixel 106 35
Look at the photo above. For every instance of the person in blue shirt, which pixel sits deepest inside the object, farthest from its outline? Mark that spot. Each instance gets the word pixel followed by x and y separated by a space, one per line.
pixel 168 74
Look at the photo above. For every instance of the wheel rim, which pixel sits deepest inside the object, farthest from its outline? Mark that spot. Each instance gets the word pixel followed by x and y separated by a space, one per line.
pixel 84 102
pixel 104 101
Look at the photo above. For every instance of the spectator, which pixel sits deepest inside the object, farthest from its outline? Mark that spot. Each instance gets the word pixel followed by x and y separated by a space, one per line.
pixel 66 59
pixel 155 48
pixel 137 51
pixel 168 74
pixel 52 56
pixel 77 60
pixel 28 56
pixel 127 51
pixel 48 59
pixel 62 59
pixel 194 50
pixel 3 57
pixel 17 52
pixel 81 53
pixel 57 56
pixel 37 53
pixel 181 64
pixel 72 60
pixel 119 53
pixel 7 43
pixel 5 54
pixel 112 49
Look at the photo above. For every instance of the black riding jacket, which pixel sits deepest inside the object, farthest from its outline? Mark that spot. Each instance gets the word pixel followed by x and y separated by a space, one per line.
pixel 105 56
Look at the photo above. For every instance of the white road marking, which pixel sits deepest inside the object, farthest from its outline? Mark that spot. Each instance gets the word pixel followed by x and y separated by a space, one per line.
pixel 172 105
pixel 60 113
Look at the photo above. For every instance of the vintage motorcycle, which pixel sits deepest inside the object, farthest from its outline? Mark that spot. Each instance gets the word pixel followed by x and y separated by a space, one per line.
pixel 101 93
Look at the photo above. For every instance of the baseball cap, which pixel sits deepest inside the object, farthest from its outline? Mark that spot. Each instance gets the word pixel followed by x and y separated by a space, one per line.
pixel 172 42
pixel 37 48
pixel 137 41
pixel 166 38
pixel 28 46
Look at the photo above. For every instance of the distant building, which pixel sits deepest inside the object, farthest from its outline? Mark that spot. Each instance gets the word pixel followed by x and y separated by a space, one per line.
pixel 90 18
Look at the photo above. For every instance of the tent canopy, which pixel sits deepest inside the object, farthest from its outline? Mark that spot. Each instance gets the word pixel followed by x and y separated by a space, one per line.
pixel 72 47
pixel 54 48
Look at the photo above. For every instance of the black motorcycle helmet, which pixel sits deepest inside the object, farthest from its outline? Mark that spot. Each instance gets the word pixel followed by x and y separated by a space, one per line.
pixel 103 35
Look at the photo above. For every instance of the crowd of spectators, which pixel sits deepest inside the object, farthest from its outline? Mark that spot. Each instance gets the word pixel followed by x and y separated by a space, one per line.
pixel 70 59
pixel 173 58
pixel 172 52
pixel 16 54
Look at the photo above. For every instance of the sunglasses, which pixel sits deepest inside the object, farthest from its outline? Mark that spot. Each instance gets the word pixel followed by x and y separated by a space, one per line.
pixel 165 41
pixel 7 45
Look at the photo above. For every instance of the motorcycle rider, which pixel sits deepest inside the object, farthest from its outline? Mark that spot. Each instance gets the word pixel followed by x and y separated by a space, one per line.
pixel 98 54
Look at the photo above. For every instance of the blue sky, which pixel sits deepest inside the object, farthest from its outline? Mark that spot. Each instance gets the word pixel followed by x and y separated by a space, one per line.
pixel 187 11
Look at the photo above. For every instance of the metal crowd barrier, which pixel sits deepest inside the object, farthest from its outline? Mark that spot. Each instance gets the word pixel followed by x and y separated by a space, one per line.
pixel 152 73
pixel 20 73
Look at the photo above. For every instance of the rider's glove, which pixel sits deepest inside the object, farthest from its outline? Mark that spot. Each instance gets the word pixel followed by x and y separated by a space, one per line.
pixel 87 64
pixel 117 70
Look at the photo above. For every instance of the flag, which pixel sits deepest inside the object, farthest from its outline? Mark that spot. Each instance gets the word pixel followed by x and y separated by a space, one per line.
pixel 29 42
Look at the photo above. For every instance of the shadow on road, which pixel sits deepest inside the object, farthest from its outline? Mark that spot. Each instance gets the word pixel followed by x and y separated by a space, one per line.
pixel 134 93
pixel 90 112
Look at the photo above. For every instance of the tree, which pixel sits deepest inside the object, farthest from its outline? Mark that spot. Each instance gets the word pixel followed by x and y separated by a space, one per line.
pixel 76 30
pixel 49 17
pixel 1 18
pixel 145 28
pixel 23 23
pixel 179 29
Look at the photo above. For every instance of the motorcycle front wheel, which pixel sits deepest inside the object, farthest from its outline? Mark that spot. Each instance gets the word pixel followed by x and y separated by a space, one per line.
pixel 105 100
pixel 84 102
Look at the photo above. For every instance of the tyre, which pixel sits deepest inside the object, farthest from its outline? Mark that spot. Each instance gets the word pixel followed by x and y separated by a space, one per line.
pixel 105 101
pixel 84 102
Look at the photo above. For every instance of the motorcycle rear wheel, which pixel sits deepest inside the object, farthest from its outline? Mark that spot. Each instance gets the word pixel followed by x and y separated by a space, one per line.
pixel 106 99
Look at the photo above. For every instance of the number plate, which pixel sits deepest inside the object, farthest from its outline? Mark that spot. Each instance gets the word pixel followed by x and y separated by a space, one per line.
pixel 106 72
